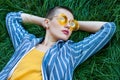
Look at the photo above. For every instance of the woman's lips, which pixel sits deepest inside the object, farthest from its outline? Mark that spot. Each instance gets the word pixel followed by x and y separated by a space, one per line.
pixel 66 32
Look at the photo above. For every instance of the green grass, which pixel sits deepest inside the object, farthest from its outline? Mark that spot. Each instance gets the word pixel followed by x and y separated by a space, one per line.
pixel 105 65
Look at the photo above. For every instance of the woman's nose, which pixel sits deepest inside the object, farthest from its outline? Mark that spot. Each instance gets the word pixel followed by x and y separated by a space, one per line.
pixel 67 26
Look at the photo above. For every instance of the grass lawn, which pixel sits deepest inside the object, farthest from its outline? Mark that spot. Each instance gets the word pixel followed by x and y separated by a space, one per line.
pixel 105 65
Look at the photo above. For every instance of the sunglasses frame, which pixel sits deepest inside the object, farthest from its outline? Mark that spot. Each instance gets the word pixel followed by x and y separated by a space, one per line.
pixel 63 20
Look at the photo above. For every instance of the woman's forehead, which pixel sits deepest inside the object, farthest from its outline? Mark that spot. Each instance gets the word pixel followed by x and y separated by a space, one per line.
pixel 66 12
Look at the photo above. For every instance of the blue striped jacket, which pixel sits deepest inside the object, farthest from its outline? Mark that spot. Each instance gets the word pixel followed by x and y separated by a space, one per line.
pixel 59 61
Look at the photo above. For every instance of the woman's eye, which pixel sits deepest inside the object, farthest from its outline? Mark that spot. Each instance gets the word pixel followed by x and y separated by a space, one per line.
pixel 62 19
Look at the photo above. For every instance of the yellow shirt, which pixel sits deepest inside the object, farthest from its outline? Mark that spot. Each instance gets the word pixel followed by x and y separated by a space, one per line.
pixel 29 68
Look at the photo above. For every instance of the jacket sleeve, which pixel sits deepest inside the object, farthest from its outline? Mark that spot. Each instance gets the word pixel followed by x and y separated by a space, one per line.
pixel 82 50
pixel 15 29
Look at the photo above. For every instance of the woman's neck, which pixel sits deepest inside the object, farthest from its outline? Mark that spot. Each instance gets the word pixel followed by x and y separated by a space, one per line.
pixel 49 40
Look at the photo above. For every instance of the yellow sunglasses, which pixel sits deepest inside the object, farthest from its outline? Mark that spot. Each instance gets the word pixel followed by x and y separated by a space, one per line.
pixel 62 20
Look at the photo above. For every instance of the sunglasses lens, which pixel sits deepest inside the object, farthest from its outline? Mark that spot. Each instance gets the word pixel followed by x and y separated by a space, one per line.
pixel 62 19
pixel 74 25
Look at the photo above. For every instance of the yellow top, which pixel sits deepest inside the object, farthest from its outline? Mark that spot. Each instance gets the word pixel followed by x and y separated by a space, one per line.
pixel 29 68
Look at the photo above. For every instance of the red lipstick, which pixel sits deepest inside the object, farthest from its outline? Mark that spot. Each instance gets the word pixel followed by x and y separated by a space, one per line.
pixel 66 32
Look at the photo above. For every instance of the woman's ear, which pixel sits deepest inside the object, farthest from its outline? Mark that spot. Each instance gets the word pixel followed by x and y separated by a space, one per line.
pixel 46 22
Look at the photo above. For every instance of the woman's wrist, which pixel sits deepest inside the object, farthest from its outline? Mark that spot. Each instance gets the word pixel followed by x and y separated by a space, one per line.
pixel 28 18
pixel 91 26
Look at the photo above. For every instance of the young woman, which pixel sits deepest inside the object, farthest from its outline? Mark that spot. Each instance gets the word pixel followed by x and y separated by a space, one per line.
pixel 53 57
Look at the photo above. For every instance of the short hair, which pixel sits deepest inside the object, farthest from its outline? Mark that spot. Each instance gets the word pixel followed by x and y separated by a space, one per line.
pixel 51 11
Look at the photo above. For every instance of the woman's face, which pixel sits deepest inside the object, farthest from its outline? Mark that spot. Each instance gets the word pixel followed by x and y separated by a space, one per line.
pixel 56 29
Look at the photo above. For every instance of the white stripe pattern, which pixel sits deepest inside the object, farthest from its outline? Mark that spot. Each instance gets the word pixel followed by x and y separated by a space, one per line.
pixel 59 61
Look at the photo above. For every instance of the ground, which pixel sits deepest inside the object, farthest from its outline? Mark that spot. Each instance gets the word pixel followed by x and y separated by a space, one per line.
pixel 105 65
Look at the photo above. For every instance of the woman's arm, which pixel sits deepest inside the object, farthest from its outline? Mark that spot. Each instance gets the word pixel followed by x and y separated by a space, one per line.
pixel 16 30
pixel 91 26
pixel 93 43
pixel 28 18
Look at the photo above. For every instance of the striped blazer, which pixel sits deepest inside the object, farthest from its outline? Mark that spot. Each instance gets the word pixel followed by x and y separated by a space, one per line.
pixel 62 58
